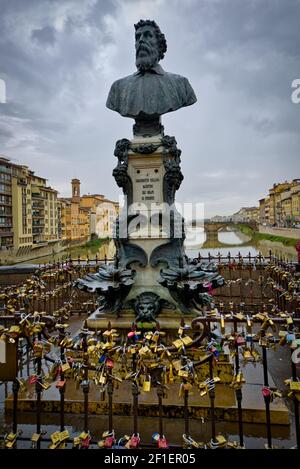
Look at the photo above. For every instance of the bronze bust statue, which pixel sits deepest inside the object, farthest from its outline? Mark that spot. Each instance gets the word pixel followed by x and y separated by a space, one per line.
pixel 150 92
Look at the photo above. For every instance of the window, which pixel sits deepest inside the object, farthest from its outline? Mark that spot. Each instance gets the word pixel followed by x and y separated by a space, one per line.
pixel 5 221
pixel 5 177
pixel 5 189
pixel 5 210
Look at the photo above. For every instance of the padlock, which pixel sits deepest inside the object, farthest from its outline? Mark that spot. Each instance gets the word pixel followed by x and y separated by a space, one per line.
pixel 266 392
pixel 147 384
pixel 109 441
pixel 134 441
pixel 162 442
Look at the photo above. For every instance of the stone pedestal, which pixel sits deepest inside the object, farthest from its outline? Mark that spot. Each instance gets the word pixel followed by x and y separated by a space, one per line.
pixel 151 276
pixel 169 321
pixel 147 172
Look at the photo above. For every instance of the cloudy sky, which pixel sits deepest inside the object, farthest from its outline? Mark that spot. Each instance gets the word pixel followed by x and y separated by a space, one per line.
pixel 59 58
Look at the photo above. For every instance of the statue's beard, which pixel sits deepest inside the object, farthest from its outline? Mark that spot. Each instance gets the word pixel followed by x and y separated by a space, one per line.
pixel 146 57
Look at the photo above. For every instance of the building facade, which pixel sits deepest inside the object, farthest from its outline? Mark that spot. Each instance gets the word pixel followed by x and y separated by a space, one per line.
pixel 32 215
pixel 103 213
pixel 6 220
pixel 282 206
pixel 28 208
pixel 246 215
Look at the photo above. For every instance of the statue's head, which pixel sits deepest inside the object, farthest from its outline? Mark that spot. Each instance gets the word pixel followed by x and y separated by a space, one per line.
pixel 150 44
pixel 147 306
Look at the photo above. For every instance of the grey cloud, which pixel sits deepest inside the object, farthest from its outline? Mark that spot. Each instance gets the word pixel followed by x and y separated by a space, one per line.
pixel 5 133
pixel 45 35
pixel 240 57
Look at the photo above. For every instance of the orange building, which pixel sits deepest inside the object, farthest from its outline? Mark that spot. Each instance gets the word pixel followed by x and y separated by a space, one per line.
pixel 82 216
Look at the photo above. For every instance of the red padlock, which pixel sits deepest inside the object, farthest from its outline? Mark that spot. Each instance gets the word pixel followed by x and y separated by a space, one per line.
pixel 109 363
pixel 298 251
pixel 32 379
pixel 109 441
pixel 85 443
pixel 134 441
pixel 162 442
pixel 60 384
pixel 240 340
pixel 266 392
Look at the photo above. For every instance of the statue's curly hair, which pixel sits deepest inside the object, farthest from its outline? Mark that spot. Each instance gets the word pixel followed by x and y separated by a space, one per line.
pixel 162 43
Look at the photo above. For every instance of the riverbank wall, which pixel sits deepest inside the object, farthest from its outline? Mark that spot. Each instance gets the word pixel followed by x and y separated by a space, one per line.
pixel 12 256
pixel 282 232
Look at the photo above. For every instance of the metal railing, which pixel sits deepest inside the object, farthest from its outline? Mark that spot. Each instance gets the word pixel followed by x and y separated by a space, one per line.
pixel 242 326
pixel 211 388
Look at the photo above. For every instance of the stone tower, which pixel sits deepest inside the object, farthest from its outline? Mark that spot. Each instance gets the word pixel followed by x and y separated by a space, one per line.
pixel 75 191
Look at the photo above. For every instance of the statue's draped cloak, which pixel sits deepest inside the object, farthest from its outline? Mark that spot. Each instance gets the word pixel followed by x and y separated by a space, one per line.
pixel 153 93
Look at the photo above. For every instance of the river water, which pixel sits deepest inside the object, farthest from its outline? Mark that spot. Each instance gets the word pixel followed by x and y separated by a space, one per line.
pixel 233 242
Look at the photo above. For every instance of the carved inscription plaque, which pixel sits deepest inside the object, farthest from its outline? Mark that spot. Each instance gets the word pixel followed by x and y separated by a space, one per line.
pixel 147 186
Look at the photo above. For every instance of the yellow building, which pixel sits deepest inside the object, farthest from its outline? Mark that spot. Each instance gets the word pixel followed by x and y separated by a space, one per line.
pixel 103 213
pixel 80 216
pixel 64 219
pixel 25 232
pixel 97 213
pixel 285 207
pixel 262 211
pixel 282 197
pixel 91 202
pixel 246 214
pixel 51 215
pixel 6 221
pixel 106 214
pixel 268 211
pixel 295 197
pixel 74 219
pixel 282 206
pixel 28 207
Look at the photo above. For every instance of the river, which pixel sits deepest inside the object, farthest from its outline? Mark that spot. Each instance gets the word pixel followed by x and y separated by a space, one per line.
pixel 228 241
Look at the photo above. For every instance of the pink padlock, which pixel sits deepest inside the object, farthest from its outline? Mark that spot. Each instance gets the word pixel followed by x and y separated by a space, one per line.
pixel 162 442
pixel 109 363
pixel 109 441
pixel 134 441
pixel 266 392
pixel 240 340
pixel 85 443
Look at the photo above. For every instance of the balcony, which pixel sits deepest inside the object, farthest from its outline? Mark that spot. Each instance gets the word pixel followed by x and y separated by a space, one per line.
pixel 4 179
pixel 38 195
pixel 7 212
pixel 5 170
pixel 37 233
pixel 5 204
pixel 6 234
pixel 22 182
pixel 5 190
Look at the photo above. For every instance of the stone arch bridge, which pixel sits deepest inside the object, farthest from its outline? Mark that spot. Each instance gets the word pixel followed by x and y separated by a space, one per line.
pixel 212 229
